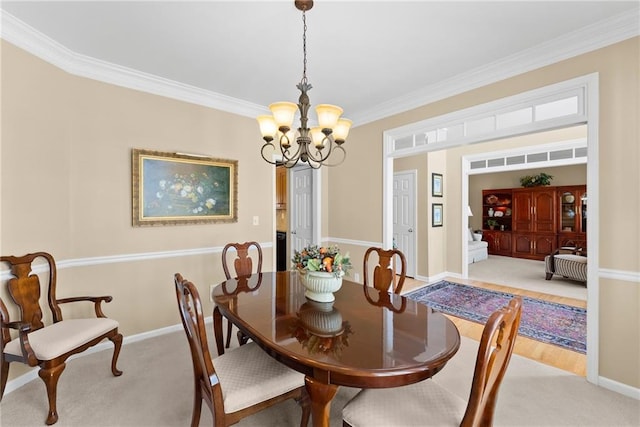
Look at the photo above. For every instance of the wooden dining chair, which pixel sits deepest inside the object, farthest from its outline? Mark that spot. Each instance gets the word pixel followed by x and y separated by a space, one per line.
pixel 243 266
pixel 427 403
pixel 48 346
pixel 242 381
pixel 385 277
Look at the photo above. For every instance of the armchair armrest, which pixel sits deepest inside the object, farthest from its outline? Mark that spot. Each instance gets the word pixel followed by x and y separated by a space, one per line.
pixel 97 301
pixel 23 335
pixel 575 250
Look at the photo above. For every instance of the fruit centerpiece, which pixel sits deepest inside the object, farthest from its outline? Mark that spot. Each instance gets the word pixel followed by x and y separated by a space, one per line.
pixel 321 270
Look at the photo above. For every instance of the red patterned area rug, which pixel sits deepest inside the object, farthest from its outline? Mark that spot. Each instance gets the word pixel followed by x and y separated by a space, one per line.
pixel 549 322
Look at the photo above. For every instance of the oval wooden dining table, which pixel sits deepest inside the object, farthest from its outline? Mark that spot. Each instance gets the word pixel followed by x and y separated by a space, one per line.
pixel 364 339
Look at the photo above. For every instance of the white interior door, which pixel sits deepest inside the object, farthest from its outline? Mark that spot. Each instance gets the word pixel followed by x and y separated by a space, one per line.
pixel 404 217
pixel 302 208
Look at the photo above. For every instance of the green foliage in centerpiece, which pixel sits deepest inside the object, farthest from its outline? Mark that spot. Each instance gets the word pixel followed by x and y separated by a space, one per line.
pixel 327 259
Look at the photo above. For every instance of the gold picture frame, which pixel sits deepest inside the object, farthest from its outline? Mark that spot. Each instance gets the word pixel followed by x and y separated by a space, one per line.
pixel 175 188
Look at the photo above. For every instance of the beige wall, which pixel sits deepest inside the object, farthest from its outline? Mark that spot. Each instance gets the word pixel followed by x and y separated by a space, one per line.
pixel 66 186
pixel 359 215
pixel 66 147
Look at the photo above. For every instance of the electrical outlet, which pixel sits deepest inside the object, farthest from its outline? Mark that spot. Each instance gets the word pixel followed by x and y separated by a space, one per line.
pixel 356 277
pixel 256 220
pixel 211 288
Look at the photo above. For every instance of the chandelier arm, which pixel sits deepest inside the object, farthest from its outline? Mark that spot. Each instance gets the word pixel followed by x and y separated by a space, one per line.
pixel 330 147
pixel 285 151
pixel 344 156
pixel 262 152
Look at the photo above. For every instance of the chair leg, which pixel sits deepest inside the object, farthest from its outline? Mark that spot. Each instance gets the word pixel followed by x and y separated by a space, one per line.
pixel 50 377
pixel 117 343
pixel 229 326
pixel 197 406
pixel 4 372
pixel 548 276
pixel 305 403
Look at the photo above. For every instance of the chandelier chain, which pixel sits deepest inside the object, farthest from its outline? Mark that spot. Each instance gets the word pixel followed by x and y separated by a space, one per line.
pixel 304 47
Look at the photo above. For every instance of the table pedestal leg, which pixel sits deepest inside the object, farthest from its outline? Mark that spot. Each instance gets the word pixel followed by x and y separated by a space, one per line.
pixel 217 330
pixel 320 394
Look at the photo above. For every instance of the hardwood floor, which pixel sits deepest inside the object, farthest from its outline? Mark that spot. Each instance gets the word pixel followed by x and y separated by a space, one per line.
pixel 548 354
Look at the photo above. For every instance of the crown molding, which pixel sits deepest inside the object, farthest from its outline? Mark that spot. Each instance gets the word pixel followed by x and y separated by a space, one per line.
pixel 26 37
pixel 595 36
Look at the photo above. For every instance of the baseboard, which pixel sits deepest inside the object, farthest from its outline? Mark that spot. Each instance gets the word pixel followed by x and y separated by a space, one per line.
pixel 624 389
pixel 106 345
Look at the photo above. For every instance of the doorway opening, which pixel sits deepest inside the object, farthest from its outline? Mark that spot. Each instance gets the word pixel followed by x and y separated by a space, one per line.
pixel 557 106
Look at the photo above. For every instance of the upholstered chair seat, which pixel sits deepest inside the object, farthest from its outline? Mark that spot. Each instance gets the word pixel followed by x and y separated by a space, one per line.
pixel 62 337
pixel 378 407
pixel 249 377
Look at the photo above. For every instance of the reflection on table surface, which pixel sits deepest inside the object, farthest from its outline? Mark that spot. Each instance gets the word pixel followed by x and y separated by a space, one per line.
pixel 356 332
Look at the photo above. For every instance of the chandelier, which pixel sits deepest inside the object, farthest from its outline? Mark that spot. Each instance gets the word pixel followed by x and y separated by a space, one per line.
pixel 313 145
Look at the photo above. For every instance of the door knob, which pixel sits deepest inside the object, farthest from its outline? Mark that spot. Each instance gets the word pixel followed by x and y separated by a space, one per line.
pixel 411 230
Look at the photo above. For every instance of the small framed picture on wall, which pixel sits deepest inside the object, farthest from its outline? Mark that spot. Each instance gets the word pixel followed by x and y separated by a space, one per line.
pixel 436 214
pixel 436 184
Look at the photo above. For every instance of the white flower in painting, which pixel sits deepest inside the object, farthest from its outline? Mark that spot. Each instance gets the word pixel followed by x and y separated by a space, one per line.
pixel 199 208
pixel 200 189
pixel 159 195
pixel 210 203
pixel 163 183
pixel 183 193
pixel 188 188
pixel 194 210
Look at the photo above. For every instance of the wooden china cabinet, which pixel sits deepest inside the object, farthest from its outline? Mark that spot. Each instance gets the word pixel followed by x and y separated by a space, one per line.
pixel 532 222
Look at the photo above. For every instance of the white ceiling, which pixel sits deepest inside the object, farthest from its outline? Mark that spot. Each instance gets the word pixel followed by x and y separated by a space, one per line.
pixel 373 58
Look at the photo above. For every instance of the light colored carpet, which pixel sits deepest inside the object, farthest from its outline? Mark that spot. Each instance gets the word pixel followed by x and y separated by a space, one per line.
pixel 156 390
pixel 525 274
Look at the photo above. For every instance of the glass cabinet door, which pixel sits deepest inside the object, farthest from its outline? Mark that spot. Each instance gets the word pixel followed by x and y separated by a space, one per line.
pixel 568 211
pixel 583 211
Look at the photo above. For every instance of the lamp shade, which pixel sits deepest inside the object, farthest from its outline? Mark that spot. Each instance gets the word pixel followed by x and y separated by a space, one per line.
pixel 283 113
pixel 341 130
pixel 268 126
pixel 317 136
pixel 328 115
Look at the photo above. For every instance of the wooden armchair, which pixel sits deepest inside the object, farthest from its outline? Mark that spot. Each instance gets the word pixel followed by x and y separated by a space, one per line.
pixel 49 346
pixel 243 266
pixel 427 403
pixel 240 382
pixel 385 277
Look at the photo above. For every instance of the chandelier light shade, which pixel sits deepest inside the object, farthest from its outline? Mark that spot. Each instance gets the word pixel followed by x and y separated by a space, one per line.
pixel 311 145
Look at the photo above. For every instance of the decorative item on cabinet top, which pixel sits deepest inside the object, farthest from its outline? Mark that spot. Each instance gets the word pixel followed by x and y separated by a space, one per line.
pixel 495 200
pixel 536 180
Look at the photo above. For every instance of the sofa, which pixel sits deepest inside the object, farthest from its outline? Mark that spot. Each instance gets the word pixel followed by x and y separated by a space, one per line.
pixel 568 262
pixel 478 249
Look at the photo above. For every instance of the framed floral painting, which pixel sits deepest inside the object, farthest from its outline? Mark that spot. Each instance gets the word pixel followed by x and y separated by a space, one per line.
pixel 172 188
